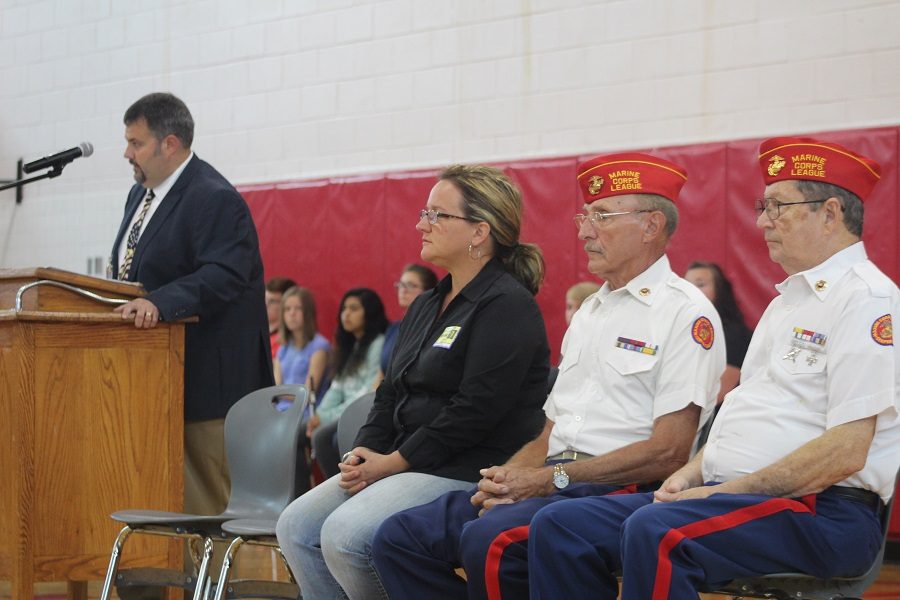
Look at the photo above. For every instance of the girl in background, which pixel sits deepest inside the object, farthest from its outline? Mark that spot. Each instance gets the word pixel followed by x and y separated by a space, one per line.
pixel 414 280
pixel 303 355
pixel 356 358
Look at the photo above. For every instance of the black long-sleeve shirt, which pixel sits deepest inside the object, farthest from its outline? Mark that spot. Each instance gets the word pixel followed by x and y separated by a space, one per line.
pixel 465 389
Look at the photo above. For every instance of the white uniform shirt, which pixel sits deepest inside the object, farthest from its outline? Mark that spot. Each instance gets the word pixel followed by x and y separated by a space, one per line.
pixel 608 392
pixel 820 357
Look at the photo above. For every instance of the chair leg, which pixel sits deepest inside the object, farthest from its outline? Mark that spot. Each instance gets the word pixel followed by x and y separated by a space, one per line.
pixel 114 562
pixel 201 589
pixel 222 587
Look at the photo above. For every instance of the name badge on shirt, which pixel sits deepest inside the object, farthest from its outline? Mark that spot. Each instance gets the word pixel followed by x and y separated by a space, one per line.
pixel 448 337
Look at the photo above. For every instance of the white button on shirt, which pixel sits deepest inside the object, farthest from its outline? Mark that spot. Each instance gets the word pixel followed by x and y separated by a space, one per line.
pixel 813 364
pixel 607 397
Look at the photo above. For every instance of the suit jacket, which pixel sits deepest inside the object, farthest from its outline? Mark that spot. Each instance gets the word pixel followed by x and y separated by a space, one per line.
pixel 199 256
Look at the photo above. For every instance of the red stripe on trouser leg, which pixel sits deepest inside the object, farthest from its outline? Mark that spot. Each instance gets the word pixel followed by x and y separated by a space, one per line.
pixel 495 554
pixel 631 488
pixel 714 525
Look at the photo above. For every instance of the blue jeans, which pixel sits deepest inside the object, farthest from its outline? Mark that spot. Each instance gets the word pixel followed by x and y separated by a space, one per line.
pixel 326 535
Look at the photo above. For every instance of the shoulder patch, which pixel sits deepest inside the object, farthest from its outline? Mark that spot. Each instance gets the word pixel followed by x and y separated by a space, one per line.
pixel 883 331
pixel 702 332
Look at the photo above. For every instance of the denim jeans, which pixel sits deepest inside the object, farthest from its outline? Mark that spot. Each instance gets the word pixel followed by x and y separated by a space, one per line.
pixel 326 535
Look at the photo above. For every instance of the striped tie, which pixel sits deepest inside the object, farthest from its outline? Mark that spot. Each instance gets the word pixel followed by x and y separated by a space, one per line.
pixel 134 235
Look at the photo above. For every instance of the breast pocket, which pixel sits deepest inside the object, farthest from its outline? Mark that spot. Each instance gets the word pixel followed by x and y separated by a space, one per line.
pixel 798 360
pixel 628 362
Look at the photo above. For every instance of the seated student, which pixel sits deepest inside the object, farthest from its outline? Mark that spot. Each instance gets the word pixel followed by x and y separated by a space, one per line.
pixel 275 288
pixel 358 340
pixel 640 369
pixel 464 388
pixel 302 358
pixel 802 457
pixel 711 280
pixel 414 280
pixel 303 355
pixel 575 295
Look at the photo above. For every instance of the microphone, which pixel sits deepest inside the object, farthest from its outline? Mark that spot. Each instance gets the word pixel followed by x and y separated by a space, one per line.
pixel 60 159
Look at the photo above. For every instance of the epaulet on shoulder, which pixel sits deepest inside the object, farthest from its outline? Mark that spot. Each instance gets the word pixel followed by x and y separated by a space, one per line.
pixel 684 286
pixel 879 284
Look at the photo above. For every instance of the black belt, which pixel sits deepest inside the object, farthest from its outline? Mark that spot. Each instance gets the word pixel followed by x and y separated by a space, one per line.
pixel 866 497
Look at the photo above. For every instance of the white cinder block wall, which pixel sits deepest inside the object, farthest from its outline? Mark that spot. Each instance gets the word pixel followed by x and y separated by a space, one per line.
pixel 286 89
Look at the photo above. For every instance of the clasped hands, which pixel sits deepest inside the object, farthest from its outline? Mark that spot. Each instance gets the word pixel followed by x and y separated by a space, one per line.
pixel 362 467
pixel 677 487
pixel 509 484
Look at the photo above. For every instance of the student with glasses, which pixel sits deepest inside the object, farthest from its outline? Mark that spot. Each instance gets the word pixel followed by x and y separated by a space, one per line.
pixel 464 388
pixel 414 280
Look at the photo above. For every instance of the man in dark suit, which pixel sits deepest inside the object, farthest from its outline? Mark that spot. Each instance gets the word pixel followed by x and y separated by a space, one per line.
pixel 188 237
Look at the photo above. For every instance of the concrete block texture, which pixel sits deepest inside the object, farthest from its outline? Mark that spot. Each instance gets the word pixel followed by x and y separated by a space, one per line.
pixel 293 89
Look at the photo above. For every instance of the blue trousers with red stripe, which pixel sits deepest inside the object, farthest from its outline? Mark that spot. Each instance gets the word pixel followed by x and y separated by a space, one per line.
pixel 673 549
pixel 417 551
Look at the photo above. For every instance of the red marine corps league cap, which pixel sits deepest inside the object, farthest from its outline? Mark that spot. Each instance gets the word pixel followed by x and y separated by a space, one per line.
pixel 629 173
pixel 812 160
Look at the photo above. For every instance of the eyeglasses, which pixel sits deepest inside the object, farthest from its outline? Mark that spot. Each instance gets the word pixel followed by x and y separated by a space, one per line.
pixel 772 207
pixel 402 285
pixel 600 218
pixel 434 215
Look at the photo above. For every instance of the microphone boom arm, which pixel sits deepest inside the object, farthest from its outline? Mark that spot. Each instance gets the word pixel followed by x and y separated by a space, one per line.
pixel 55 171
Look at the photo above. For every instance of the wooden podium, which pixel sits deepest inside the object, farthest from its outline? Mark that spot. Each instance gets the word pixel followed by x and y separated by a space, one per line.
pixel 92 422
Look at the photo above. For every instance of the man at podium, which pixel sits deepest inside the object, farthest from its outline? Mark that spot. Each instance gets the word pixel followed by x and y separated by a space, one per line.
pixel 188 237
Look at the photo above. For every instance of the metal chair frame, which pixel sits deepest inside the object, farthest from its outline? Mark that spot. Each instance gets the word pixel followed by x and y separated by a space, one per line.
pixel 257 532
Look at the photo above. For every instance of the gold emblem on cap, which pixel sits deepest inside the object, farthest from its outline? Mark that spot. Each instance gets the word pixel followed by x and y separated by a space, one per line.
pixel 595 184
pixel 821 285
pixel 776 164
pixel 644 292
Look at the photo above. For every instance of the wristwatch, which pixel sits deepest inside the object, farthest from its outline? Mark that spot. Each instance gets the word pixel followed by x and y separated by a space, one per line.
pixel 560 477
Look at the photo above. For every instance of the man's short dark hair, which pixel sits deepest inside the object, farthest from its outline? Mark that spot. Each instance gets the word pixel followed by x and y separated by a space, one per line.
pixel 165 115
pixel 850 202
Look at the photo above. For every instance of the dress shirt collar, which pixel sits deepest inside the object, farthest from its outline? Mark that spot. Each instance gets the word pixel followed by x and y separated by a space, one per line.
pixel 163 188
pixel 643 287
pixel 481 282
pixel 821 278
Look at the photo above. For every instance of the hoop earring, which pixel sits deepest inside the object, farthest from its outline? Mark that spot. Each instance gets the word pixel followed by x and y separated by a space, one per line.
pixel 477 252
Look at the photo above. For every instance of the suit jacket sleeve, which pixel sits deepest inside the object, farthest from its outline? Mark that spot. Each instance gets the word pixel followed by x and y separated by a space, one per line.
pixel 224 250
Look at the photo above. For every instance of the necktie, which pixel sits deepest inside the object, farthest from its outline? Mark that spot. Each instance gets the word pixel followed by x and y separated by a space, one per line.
pixel 134 235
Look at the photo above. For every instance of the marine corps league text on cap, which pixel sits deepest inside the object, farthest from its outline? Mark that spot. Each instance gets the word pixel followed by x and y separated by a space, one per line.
pixel 629 173
pixel 808 159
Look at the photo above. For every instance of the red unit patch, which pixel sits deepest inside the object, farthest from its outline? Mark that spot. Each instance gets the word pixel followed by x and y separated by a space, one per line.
pixel 703 333
pixel 883 331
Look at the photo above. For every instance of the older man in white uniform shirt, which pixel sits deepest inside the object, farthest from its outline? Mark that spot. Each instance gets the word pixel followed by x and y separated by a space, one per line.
pixel 803 455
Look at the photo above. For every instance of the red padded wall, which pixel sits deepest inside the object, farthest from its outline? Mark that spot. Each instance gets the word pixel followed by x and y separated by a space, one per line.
pixel 343 232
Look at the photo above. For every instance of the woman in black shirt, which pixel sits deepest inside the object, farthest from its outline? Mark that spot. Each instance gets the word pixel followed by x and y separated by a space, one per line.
pixel 464 390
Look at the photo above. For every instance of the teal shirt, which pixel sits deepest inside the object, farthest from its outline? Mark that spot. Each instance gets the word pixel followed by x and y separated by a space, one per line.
pixel 348 388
